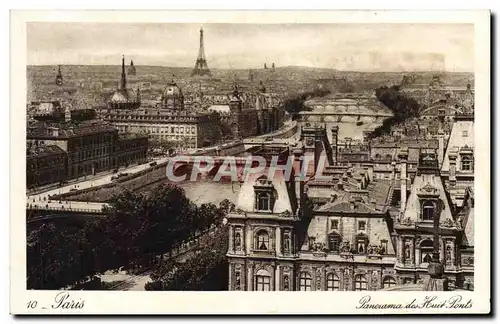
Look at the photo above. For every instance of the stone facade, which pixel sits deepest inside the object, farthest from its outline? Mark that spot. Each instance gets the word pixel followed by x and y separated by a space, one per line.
pixel 346 231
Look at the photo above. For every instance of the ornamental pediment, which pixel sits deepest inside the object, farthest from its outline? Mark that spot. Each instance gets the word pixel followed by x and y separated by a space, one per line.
pixel 428 190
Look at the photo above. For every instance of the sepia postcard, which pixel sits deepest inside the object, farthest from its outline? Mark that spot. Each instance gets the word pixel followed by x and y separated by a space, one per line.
pixel 214 162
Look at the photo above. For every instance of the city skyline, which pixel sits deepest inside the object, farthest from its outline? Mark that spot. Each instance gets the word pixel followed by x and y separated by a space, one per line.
pixel 356 47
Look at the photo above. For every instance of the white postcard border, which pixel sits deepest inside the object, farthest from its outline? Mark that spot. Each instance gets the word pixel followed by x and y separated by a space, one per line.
pixel 119 302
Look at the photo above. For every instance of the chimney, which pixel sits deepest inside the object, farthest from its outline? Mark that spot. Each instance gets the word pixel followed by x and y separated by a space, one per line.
pixel 360 183
pixel 298 155
pixel 440 147
pixel 403 156
pixel 318 148
pixel 335 137
pixel 369 171
pixel 453 167
pixel 393 173
pixel 67 114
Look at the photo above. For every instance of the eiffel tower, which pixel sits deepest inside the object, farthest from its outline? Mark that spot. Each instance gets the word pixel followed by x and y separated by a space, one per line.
pixel 201 67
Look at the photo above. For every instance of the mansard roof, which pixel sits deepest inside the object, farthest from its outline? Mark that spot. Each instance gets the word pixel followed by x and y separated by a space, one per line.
pixel 421 184
pixel 284 196
pixel 348 207
pixel 462 135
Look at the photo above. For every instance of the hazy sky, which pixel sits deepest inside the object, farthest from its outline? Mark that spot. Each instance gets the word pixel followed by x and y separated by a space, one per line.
pixel 360 47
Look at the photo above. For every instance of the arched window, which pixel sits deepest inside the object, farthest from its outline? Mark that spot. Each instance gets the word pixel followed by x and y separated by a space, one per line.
pixel 264 201
pixel 262 240
pixel 332 282
pixel 305 281
pixel 377 156
pixel 426 250
pixel 428 209
pixel 388 282
pixel 360 283
pixel 262 281
pixel 466 163
pixel 388 157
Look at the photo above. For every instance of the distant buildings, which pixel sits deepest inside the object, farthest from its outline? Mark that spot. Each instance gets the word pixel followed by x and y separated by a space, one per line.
pixel 67 143
pixel 168 121
pixel 249 114
pixel 131 69
pixel 122 99
pixel 89 147
pixel 438 100
pixel 203 119
pixel 59 77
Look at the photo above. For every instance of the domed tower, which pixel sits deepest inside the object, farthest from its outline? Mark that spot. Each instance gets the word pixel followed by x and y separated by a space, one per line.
pixel 172 97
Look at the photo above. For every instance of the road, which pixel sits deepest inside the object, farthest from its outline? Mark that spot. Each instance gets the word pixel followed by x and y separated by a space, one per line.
pixel 41 200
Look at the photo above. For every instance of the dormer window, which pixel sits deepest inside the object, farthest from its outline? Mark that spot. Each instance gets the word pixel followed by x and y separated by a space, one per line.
pixel 264 202
pixel 264 195
pixel 361 243
pixel 428 211
pixel 466 163
pixel 334 240
pixel 262 238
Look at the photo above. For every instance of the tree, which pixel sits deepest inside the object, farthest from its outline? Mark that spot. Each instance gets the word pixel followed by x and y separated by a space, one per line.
pixel 149 224
pixel 139 228
pixel 401 106
pixel 295 104
pixel 206 269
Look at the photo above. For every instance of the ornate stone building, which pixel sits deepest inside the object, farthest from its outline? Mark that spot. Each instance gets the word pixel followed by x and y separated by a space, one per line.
pixel 169 121
pixel 89 147
pixel 427 212
pixel 457 169
pixel 340 228
pixel 45 165
pixel 245 114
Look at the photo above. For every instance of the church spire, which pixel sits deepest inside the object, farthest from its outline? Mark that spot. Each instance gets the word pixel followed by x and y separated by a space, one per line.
pixel 123 80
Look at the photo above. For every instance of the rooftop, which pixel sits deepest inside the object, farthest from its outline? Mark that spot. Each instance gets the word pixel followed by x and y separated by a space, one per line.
pixel 40 151
pixel 67 130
